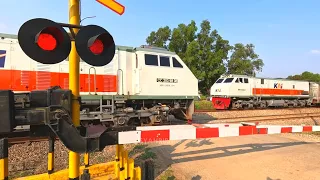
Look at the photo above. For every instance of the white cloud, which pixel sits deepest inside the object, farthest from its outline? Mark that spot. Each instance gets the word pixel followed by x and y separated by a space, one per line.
pixel 315 51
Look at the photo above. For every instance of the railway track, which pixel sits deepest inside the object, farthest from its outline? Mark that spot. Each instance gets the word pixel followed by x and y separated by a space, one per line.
pixel 237 119
pixel 274 109
pixel 277 117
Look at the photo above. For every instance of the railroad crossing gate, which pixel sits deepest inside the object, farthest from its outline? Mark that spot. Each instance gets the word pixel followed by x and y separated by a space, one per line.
pixel 58 111
pixel 123 167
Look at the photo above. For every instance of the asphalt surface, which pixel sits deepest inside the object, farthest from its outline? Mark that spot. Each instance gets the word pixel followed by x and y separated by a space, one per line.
pixel 258 157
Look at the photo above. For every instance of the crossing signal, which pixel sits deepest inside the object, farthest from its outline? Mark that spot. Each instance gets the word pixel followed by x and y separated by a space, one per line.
pixel 95 45
pixel 44 41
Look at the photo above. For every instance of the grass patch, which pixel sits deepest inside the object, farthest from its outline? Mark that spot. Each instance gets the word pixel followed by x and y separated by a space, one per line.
pixel 148 154
pixel 20 174
pixel 168 175
pixel 317 133
pixel 138 148
pixel 203 105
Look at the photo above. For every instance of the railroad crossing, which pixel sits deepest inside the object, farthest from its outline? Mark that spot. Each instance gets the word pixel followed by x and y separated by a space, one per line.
pixel 96 47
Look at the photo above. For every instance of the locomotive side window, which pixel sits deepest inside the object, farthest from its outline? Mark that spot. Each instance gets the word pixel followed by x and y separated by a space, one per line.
pixel 176 63
pixel 241 81
pixel 151 60
pixel 219 80
pixel 237 80
pixel 246 80
pixel 262 81
pixel 164 61
pixel 294 86
pixel 228 80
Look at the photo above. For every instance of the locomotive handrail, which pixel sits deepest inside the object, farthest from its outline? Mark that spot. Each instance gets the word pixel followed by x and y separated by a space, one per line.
pixel 121 81
pixel 94 81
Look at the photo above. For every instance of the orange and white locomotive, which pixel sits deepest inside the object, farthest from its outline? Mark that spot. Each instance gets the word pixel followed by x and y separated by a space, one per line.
pixel 141 85
pixel 240 91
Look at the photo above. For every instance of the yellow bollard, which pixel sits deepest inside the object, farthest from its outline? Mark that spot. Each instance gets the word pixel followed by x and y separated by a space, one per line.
pixel 74 73
pixel 51 155
pixel 137 173
pixel 131 168
pixel 125 164
pixel 117 169
pixel 4 159
pixel 86 160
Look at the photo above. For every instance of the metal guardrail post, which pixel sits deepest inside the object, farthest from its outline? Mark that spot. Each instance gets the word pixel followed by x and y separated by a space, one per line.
pixel 85 175
pixel 4 159
pixel 147 170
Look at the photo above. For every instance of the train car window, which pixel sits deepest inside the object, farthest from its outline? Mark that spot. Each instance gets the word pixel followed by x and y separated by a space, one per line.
pixel 246 80
pixel 219 80
pixel 176 63
pixel 262 81
pixel 228 80
pixel 237 80
pixel 164 61
pixel 241 80
pixel 151 60
pixel 294 86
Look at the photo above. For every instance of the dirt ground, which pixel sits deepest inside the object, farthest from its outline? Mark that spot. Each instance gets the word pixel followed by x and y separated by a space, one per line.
pixel 259 157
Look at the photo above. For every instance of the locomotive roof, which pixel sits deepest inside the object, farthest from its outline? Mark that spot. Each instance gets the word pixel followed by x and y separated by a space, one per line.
pixel 118 47
pixel 246 76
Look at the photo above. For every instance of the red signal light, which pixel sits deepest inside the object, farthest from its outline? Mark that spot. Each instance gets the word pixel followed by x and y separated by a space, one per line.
pixel 97 47
pixel 47 42
pixel 44 41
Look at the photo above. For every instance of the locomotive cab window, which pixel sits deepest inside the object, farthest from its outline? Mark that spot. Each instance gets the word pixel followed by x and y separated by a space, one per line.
pixel 164 61
pixel 239 80
pixel 262 81
pixel 293 86
pixel 151 60
pixel 228 80
pixel 176 63
pixel 219 80
pixel 246 80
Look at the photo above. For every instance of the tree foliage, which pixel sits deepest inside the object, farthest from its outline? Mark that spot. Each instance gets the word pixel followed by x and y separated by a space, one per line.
pixel 206 53
pixel 307 76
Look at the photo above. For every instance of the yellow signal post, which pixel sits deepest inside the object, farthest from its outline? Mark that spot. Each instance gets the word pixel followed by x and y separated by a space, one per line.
pixel 4 159
pixel 74 60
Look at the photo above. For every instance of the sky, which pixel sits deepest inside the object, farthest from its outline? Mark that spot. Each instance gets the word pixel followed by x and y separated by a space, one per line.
pixel 286 33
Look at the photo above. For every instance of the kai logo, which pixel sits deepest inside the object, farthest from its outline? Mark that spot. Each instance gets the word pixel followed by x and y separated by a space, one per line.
pixel 277 85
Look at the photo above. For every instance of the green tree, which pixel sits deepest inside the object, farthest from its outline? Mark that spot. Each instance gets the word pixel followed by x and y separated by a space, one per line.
pixel 307 76
pixel 205 52
pixel 244 60
pixel 159 38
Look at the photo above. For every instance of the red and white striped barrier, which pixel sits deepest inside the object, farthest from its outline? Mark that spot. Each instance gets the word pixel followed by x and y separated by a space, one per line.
pixel 181 132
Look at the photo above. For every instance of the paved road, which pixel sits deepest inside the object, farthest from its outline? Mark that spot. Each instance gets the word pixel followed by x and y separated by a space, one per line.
pixel 260 157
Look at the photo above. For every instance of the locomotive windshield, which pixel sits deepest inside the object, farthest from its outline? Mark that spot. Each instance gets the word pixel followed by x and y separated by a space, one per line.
pixel 219 80
pixel 228 80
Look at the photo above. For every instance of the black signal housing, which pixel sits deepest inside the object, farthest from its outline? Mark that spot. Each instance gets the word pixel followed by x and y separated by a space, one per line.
pixel 95 45
pixel 44 41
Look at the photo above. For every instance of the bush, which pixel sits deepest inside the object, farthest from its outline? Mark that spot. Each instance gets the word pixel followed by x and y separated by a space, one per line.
pixel 203 105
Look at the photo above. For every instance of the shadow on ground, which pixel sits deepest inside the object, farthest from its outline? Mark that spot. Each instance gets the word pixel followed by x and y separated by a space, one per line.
pixel 165 153
pixel 268 178
pixel 197 118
